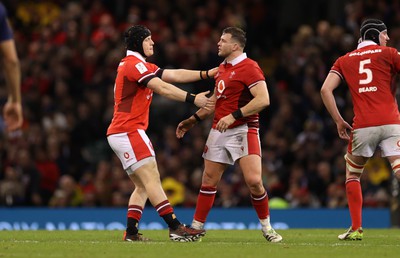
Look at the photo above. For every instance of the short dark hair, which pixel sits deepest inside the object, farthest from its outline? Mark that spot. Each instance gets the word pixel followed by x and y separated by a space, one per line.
pixel 134 37
pixel 237 34
pixel 371 28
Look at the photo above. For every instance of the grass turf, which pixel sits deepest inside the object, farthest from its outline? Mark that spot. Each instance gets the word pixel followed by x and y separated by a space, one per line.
pixel 297 243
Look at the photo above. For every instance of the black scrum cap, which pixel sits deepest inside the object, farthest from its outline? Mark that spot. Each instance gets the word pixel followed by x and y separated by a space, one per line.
pixel 371 28
pixel 134 37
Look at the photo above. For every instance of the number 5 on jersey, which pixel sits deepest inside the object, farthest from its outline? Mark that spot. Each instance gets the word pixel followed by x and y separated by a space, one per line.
pixel 367 71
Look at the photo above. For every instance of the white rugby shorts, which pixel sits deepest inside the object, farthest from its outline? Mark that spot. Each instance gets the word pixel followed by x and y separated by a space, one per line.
pixel 364 141
pixel 232 144
pixel 131 147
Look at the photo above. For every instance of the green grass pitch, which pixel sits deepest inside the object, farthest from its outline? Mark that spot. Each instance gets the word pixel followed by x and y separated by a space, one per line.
pixel 299 243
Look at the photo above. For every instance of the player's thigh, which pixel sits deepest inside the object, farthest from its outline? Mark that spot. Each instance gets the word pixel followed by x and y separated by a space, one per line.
pixel 251 168
pixel 213 172
pixel 136 181
pixel 146 174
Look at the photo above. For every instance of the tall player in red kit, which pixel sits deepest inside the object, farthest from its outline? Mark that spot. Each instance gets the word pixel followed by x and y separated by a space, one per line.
pixel 369 72
pixel 240 93
pixel 133 91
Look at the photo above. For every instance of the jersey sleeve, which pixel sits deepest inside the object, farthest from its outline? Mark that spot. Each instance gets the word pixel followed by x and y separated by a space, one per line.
pixel 337 69
pixel 253 75
pixel 396 59
pixel 5 30
pixel 142 72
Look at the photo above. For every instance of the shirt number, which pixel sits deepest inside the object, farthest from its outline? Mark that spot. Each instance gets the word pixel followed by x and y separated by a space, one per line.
pixel 367 71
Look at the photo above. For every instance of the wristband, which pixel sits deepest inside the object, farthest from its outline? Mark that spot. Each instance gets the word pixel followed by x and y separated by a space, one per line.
pixel 190 97
pixel 198 119
pixel 201 75
pixel 208 76
pixel 237 114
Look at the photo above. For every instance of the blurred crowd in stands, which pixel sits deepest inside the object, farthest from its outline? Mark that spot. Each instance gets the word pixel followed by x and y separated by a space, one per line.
pixel 70 50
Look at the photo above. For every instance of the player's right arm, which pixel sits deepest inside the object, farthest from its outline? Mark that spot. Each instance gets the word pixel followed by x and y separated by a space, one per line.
pixel 185 76
pixel 331 82
pixel 174 93
pixel 188 123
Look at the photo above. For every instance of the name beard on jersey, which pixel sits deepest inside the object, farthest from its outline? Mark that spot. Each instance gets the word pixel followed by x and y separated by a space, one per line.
pixel 367 89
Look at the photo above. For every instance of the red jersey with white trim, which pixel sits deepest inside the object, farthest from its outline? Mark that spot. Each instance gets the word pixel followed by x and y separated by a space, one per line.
pixel 232 89
pixel 132 98
pixel 369 72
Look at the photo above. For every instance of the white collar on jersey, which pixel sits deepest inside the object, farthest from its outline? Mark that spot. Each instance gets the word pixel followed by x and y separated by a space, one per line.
pixel 366 43
pixel 237 60
pixel 134 53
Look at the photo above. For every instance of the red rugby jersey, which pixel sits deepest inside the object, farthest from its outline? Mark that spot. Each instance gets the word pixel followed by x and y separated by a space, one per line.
pixel 232 89
pixel 132 98
pixel 369 72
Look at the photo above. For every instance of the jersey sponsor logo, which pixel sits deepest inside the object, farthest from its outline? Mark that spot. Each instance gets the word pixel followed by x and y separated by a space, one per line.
pixel 367 89
pixel 232 74
pixel 126 155
pixel 373 51
pixel 220 89
pixel 221 86
pixel 141 68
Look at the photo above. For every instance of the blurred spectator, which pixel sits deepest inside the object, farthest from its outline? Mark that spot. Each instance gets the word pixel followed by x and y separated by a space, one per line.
pixel 12 190
pixel 31 177
pixel 68 193
pixel 49 174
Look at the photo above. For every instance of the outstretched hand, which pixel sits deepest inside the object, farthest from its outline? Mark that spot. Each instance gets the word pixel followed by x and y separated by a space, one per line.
pixel 183 127
pixel 202 101
pixel 12 113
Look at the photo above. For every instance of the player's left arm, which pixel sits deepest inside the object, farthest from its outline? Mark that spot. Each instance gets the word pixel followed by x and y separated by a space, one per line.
pixel 258 103
pixel 331 82
pixel 185 76
pixel 260 100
